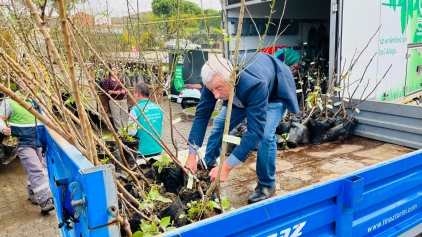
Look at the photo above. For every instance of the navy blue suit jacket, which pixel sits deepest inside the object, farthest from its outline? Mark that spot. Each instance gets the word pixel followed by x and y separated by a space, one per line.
pixel 263 78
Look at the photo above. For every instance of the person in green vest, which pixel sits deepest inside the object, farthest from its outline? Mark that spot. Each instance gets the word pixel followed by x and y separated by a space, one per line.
pixel 148 147
pixel 24 126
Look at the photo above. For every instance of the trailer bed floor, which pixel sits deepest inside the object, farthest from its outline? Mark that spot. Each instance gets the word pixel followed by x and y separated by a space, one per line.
pixel 310 164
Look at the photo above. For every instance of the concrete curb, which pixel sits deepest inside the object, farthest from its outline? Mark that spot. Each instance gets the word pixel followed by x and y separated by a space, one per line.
pixel 189 116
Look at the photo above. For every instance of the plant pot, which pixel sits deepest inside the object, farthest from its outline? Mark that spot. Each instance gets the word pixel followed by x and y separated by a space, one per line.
pixel 305 136
pixel 350 127
pixel 132 80
pixel 9 150
pixel 128 82
pixel 134 223
pixel 295 134
pixel 153 174
pixel 316 131
pixel 134 145
pixel 174 211
pixel 172 178
pixel 283 127
pixel 335 133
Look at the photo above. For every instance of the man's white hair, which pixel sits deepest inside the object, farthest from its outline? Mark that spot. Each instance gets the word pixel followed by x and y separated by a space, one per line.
pixel 216 66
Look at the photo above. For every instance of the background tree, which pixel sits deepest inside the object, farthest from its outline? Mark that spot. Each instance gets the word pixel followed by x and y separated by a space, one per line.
pixel 168 8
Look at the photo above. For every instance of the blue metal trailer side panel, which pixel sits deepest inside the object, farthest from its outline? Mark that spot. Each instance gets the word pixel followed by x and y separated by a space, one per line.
pixel 382 200
pixel 312 212
pixel 85 196
pixel 392 199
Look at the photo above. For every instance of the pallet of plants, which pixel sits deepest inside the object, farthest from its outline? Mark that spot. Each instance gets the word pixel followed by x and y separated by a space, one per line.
pixel 169 197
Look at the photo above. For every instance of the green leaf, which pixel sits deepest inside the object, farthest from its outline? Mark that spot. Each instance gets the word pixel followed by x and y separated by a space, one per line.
pixel 182 216
pixel 171 228
pixel 69 101
pixel 164 222
pixel 299 91
pixel 337 89
pixel 145 227
pixel 329 106
pixel 213 205
pixel 217 30
pixel 163 199
pixel 105 160
pixel 285 136
pixel 228 39
pixel 357 110
pixel 138 234
pixel 320 106
pixel 154 195
pixel 309 104
pixel 346 100
pixel 225 202
pixel 108 137
pixel 337 103
pixel 153 227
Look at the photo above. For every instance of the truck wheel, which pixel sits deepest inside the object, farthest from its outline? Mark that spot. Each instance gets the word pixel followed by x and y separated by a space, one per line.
pixel 184 104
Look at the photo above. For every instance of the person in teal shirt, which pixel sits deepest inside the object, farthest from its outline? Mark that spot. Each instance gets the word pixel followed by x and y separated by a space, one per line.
pixel 147 145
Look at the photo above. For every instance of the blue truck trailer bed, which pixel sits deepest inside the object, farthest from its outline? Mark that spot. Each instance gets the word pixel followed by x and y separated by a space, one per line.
pixel 350 189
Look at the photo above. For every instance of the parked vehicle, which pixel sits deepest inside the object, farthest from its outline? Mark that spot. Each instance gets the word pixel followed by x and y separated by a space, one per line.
pixel 183 44
pixel 190 95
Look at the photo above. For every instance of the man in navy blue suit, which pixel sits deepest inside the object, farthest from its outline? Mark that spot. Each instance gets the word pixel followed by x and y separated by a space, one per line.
pixel 264 89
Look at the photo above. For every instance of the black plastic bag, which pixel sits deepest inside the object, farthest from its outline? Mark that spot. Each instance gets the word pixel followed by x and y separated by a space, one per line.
pixel 295 119
pixel 332 122
pixel 350 127
pixel 134 146
pixel 128 82
pixel 174 211
pixel 335 133
pixel 153 174
pixel 339 120
pixel 295 134
pixel 133 81
pixel 134 223
pixel 283 127
pixel 305 135
pixel 316 131
pixel 172 178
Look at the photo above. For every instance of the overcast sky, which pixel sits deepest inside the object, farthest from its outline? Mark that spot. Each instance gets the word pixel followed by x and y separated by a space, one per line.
pixel 119 7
